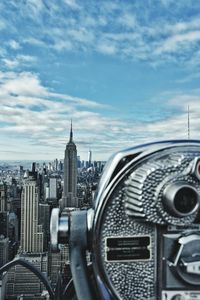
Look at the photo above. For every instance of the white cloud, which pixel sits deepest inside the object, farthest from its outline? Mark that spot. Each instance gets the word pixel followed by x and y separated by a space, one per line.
pixel 2 24
pixel 72 3
pixel 40 119
pixel 10 63
pixel 178 41
pixel 112 28
pixel 33 114
pixel 166 3
pixel 78 101
pixel 106 47
pixel 62 45
pixel 176 125
pixel 22 84
pixel 3 52
pixel 21 93
pixel 34 7
pixel 128 20
pixel 18 61
pixel 26 58
pixel 39 115
pixel 14 45
pixel 179 27
pixel 189 77
pixel 82 35
pixel 34 41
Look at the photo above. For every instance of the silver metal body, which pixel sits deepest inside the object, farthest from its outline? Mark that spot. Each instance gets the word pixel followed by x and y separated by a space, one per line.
pixel 144 229
pixel 121 218
pixel 59 228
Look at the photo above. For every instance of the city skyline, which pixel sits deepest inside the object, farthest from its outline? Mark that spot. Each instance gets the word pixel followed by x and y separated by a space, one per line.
pixel 27 198
pixel 125 72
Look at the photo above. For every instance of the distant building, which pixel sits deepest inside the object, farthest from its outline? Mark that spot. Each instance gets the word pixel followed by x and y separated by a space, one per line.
pixel 70 174
pixel 55 165
pixel 22 283
pixel 31 232
pixel 57 263
pixel 4 245
pixel 78 162
pixel 4 223
pixel 51 191
pixel 44 220
pixel 53 188
pixel 3 197
pixel 13 233
pixel 60 166
pixel 3 282
pixel 89 158
pixel 33 167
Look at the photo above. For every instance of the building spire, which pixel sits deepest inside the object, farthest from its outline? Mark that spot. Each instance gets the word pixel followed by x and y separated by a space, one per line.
pixel 71 133
pixel 188 122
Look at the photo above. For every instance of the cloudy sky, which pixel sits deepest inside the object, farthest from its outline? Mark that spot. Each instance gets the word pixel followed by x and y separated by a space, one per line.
pixel 123 71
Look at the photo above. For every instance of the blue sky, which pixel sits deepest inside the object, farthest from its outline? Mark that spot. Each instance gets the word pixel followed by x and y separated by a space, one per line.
pixel 123 71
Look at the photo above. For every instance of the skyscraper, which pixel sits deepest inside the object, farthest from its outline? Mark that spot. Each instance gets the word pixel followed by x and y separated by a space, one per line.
pixel 4 223
pixel 3 197
pixel 70 174
pixel 53 188
pixel 22 283
pixel 4 243
pixel 89 158
pixel 44 220
pixel 31 231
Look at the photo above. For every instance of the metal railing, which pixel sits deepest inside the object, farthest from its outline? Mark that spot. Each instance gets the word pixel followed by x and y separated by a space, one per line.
pixel 59 293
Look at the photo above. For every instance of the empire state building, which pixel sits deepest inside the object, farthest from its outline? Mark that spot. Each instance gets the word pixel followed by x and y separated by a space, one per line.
pixel 70 174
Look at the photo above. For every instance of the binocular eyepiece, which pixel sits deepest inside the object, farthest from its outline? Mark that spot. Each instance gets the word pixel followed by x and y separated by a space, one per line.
pixel 181 199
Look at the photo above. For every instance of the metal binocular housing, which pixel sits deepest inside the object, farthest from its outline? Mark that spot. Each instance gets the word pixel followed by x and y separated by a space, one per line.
pixel 143 232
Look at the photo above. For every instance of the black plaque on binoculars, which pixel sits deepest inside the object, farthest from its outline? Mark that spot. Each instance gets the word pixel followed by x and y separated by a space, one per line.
pixel 128 248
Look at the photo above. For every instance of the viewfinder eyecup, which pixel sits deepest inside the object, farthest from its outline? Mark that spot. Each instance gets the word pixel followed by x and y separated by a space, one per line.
pixel 181 199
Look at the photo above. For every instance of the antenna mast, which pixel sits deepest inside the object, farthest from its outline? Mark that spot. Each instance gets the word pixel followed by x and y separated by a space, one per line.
pixel 188 122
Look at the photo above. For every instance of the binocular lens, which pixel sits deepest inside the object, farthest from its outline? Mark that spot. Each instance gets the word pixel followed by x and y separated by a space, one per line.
pixel 185 200
pixel 181 199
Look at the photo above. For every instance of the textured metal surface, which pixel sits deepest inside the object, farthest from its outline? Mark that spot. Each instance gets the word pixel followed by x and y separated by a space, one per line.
pixel 59 228
pixel 54 225
pixel 132 205
pixel 132 280
pixel 145 186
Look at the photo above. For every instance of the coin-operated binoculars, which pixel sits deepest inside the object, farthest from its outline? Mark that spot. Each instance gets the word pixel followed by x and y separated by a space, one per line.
pixel 143 232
